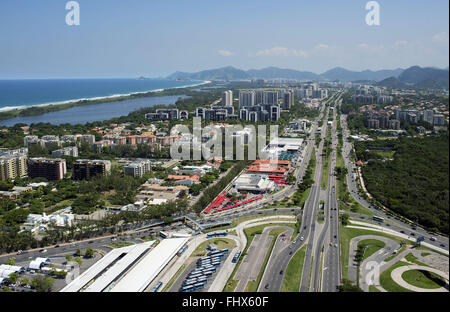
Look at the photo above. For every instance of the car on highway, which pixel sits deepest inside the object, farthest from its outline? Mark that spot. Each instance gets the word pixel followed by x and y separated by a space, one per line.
pixel 302 238
pixel 413 234
pixel 442 245
pixel 433 239
pixel 267 286
pixel 43 250
pixel 290 253
pixel 281 272
pixel 403 232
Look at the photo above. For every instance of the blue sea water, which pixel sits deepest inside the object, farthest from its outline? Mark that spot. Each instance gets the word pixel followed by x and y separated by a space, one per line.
pixel 22 93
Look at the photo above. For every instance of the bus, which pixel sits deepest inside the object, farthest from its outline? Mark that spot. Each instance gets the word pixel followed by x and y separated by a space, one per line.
pixel 187 288
pixel 182 250
pixel 209 270
pixel 157 287
pixel 217 252
pixel 191 276
pixel 236 257
pixel 208 273
pixel 163 234
pixel 200 285
pixel 201 278
pixel 190 282
pixel 377 219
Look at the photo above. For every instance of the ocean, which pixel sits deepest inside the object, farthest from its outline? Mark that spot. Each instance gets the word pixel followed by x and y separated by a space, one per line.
pixel 24 93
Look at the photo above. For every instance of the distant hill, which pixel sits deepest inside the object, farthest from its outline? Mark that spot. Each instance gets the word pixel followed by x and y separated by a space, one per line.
pixel 425 77
pixel 396 78
pixel 342 74
pixel 275 72
pixel 224 73
pixel 392 83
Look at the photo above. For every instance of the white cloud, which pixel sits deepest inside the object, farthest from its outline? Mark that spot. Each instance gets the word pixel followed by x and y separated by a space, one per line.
pixel 225 53
pixel 322 46
pixel 281 51
pixel 441 37
pixel 362 45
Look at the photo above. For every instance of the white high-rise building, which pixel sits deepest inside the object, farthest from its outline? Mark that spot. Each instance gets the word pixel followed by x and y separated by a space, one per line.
pixel 247 98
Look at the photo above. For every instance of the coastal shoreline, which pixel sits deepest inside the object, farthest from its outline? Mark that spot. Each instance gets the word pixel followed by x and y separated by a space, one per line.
pixel 10 112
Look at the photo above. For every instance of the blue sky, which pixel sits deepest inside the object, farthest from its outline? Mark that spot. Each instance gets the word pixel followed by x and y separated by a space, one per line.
pixel 129 38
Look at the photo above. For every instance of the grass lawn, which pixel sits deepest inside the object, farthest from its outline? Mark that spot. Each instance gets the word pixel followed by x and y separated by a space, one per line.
pixel 220 243
pixel 293 276
pixel 424 254
pixel 373 289
pixel 371 246
pixel 388 283
pixel 423 279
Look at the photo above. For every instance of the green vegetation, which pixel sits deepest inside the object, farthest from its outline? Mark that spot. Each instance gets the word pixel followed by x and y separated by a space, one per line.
pixel 423 279
pixel 42 284
pixel 326 152
pixel 388 283
pixel 368 247
pixel 416 183
pixel 293 275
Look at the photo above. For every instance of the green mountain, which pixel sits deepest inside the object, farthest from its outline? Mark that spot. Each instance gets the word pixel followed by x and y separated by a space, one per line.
pixel 393 83
pixel 342 74
pixel 425 77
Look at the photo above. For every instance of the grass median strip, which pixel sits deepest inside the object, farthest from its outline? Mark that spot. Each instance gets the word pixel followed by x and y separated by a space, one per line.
pixel 293 276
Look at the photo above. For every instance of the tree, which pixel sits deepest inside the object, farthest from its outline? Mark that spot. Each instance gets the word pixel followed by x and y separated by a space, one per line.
pixel 42 284
pixel 69 258
pixel 89 253
pixel 13 277
pixel 78 252
pixel 344 219
pixel 11 261
pixel 25 281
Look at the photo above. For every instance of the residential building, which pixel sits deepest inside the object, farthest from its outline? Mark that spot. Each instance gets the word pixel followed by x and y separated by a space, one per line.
pixel 227 98
pixel 85 169
pixel 138 168
pixel 247 98
pixel 49 168
pixel 66 151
